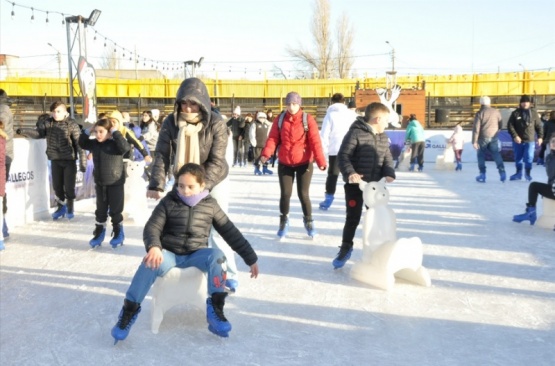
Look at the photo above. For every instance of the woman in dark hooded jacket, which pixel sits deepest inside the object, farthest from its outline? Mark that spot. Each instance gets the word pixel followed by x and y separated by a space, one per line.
pixel 194 133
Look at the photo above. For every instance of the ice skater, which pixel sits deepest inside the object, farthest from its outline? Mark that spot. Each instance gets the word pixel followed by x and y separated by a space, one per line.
pixel 176 235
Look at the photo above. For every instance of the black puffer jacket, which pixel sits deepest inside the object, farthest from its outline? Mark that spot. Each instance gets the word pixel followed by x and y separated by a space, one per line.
pixel 62 139
pixel 366 153
pixel 109 169
pixel 183 229
pixel 212 139
pixel 524 128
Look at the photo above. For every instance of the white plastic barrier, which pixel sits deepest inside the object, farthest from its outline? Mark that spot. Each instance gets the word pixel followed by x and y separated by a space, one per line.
pixel 28 187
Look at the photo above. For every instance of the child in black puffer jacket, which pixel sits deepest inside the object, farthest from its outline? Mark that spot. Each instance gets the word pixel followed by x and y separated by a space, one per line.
pixel 176 235
pixel 107 148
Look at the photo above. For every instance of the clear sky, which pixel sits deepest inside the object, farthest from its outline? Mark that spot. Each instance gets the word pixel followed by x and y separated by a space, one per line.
pixel 247 38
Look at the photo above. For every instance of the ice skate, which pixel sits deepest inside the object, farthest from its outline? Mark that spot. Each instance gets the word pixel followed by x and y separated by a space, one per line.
pixel 283 226
pixel 265 170
pixel 61 211
pixel 126 319
pixel 309 226
pixel 342 257
pixel 99 234
pixel 118 236
pixel 481 178
pixel 217 322
pixel 326 203
pixel 530 215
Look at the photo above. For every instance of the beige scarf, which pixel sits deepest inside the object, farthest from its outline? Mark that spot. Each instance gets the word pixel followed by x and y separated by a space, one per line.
pixel 187 139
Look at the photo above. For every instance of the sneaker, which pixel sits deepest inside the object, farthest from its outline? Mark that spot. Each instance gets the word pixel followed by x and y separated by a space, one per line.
pixel 126 319
pixel 342 257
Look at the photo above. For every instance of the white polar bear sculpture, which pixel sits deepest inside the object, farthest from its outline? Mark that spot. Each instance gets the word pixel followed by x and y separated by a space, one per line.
pixel 403 163
pixel 447 160
pixel 135 205
pixel 383 256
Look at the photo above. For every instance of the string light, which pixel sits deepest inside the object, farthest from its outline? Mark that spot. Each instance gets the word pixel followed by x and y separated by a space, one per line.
pixel 13 12
pixel 63 19
pixel 32 14
pixel 46 17
pixel 95 32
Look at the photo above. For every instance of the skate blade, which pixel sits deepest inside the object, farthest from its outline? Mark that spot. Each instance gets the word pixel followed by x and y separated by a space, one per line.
pixel 117 246
pixel 221 334
pixel 116 341
pixel 94 247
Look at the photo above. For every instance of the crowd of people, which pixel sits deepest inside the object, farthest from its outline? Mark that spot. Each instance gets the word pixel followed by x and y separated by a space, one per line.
pixel 189 227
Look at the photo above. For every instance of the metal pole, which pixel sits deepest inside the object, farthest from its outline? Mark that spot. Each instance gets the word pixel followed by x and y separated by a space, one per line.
pixel 69 64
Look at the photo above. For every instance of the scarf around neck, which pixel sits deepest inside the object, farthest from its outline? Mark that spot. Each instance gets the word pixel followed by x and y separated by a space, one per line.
pixel 192 201
pixel 187 150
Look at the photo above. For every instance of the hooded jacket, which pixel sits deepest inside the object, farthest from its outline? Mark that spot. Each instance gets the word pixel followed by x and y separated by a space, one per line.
pixel 296 146
pixel 212 138
pixel 335 125
pixel 457 138
pixel 414 132
pixel 365 152
pixel 184 229
pixel 525 128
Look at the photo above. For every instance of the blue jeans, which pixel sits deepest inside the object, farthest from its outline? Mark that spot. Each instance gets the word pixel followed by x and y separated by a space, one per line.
pixel 491 145
pixel 209 260
pixel 524 152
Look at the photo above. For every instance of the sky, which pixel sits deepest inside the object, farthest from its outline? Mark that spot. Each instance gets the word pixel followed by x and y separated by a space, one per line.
pixel 248 38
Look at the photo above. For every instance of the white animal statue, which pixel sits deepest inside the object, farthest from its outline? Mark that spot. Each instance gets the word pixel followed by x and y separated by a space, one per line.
pixel 384 257
pixel 403 162
pixel 394 118
pixel 447 160
pixel 135 204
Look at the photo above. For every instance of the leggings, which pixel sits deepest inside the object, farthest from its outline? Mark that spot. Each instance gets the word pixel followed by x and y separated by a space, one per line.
pixel 542 189
pixel 286 176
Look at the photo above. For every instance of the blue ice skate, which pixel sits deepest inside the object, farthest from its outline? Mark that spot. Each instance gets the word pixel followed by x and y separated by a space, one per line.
pixel 118 236
pixel 60 212
pixel 257 171
pixel 326 203
pixel 309 226
pixel 530 215
pixel 265 170
pixel 126 319
pixel 481 178
pixel 99 234
pixel 283 226
pixel 342 257
pixel 231 285
pixel 217 323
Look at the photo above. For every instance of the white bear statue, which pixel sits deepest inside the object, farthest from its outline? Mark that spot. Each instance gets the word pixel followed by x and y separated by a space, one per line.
pixel 135 201
pixel 384 257
pixel 447 160
pixel 403 164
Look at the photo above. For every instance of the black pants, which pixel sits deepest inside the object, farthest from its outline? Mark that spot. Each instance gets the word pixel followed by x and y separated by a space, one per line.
pixel 286 176
pixel 542 189
pixel 64 173
pixel 333 174
pixel 353 205
pixel 238 151
pixel 417 153
pixel 543 147
pixel 109 197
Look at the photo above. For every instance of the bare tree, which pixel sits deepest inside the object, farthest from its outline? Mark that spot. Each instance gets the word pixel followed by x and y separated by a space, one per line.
pixel 109 60
pixel 345 36
pixel 278 72
pixel 321 59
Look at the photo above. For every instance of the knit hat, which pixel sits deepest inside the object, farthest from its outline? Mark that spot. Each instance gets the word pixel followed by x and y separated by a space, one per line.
pixel 293 97
pixel 237 111
pixel 261 115
pixel 525 98
pixel 485 100
pixel 155 113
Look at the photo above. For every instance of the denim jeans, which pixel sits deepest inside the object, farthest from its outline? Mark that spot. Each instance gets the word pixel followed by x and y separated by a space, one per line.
pixel 207 260
pixel 491 145
pixel 524 152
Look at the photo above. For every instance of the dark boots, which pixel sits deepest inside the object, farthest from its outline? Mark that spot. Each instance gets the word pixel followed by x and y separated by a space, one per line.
pixel 217 322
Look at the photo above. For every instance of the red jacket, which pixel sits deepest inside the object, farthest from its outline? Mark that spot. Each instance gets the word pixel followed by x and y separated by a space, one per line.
pixel 296 147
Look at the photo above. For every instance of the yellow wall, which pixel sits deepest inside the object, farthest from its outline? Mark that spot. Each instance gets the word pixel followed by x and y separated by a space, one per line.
pixel 467 85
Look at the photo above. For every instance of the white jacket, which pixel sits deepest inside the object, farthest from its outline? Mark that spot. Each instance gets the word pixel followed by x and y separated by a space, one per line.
pixel 336 123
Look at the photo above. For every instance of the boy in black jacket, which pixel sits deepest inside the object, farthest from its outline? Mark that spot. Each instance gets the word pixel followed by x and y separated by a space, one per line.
pixel 364 155
pixel 176 235
pixel 62 149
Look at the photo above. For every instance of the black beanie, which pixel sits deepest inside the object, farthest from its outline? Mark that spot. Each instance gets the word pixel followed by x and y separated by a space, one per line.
pixel 525 98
